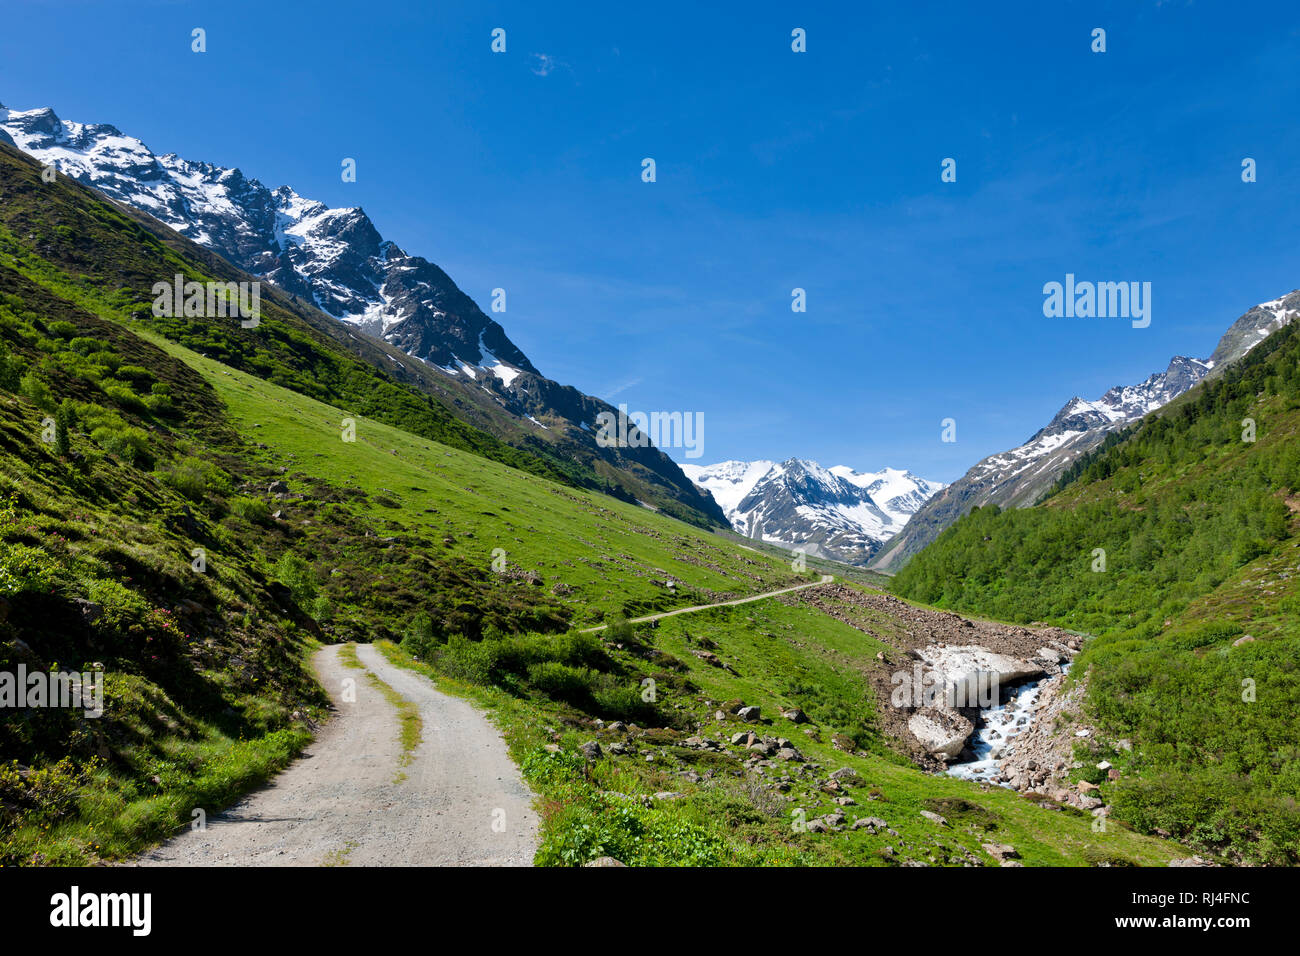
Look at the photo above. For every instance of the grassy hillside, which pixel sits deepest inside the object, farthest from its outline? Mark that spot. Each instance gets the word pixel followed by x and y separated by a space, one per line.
pixel 67 238
pixel 1197 613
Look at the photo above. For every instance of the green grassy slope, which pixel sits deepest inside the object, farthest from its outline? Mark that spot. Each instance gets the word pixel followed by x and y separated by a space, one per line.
pixel 1199 530
pixel 89 251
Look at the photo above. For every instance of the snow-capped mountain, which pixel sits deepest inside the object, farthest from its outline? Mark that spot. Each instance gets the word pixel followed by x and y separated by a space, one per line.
pixel 834 512
pixel 1017 478
pixel 334 258
pixel 334 261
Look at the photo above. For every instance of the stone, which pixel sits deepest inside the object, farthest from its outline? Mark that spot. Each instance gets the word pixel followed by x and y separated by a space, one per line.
pixel 591 750
pixel 90 611
pixel 749 715
pixel 1000 851
pixel 795 715
pixel 870 823
pixel 845 774
pixel 934 818
pixel 941 732
pixel 604 861
pixel 277 488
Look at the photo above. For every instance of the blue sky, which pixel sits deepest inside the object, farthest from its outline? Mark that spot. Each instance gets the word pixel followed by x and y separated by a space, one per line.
pixel 775 170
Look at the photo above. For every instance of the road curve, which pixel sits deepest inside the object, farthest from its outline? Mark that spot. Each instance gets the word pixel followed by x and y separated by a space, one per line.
pixel 826 579
pixel 461 802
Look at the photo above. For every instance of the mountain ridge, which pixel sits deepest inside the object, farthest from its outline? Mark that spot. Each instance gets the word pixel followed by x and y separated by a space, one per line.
pixel 1020 476
pixel 832 512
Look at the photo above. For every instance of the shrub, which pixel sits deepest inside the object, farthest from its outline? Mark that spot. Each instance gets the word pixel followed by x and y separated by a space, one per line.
pixel 298 576
pixel 561 681
pixel 123 396
pixel 63 330
pixel 467 660
pixel 126 442
pixel 252 510
pixel 419 640
pixel 24 568
pixel 194 478
pixel 10 371
pixel 37 392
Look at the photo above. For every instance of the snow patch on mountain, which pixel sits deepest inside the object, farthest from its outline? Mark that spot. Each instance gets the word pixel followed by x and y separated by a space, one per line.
pixel 836 512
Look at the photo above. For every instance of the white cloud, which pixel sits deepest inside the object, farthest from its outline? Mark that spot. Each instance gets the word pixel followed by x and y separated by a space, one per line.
pixel 544 64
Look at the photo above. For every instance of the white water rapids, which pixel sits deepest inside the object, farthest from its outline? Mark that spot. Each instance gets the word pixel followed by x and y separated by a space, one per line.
pixel 993 740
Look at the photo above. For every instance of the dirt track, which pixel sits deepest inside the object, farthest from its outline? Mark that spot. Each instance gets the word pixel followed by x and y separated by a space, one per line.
pixel 826 579
pixel 462 801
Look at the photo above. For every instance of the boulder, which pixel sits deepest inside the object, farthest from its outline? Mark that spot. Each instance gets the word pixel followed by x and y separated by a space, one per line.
pixel 872 824
pixel 939 731
pixel 934 818
pixel 749 715
pixel 1000 851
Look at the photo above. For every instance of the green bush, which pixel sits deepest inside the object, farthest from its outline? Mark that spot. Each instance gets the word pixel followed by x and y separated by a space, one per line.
pixel 126 442
pixel 561 681
pixel 195 478
pixel 467 660
pixel 298 576
pixel 25 568
pixel 252 510
pixel 37 392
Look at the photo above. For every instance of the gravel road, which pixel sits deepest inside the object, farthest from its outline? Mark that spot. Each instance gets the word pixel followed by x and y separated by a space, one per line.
pixel 462 802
